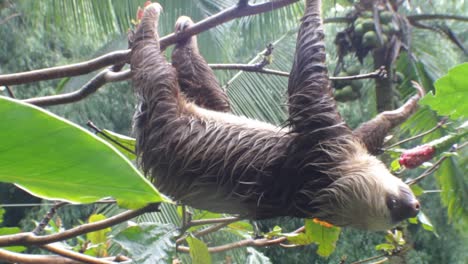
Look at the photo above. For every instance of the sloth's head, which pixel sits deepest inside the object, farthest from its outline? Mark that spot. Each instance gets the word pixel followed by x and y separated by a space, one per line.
pixel 366 195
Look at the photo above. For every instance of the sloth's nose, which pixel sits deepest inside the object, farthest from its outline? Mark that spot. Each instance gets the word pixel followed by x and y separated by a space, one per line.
pixel 414 208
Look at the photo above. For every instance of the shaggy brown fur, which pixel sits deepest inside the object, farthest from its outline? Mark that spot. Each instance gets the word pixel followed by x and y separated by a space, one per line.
pixel 197 81
pixel 222 163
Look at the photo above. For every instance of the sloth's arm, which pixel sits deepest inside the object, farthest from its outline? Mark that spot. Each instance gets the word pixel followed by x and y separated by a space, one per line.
pixel 196 79
pixel 311 104
pixel 373 132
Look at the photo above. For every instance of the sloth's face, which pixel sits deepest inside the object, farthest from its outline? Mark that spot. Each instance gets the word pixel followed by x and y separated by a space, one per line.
pixel 367 196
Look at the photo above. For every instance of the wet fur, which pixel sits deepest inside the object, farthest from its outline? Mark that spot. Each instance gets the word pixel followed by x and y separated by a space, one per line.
pixel 316 167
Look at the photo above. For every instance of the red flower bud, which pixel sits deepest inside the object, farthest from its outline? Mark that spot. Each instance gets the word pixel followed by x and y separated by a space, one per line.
pixel 139 14
pixel 414 157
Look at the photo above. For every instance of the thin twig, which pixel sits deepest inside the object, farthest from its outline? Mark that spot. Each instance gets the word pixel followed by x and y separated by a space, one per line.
pixel 74 255
pixel 213 221
pixel 222 222
pixel 247 68
pixel 412 18
pixel 99 131
pixel 46 219
pixel 261 242
pixel 380 73
pixel 369 259
pixel 439 124
pixel 9 91
pixel 29 238
pixel 3 21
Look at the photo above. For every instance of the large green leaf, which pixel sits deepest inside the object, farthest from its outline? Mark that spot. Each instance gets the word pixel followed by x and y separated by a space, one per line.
pixel 148 242
pixel 451 93
pixel 198 251
pixel 55 159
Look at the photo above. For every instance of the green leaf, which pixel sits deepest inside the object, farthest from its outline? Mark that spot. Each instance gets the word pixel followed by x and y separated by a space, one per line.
pixel 417 190
pixel 198 251
pixel 451 93
pixel 425 222
pixel 275 232
pixel 2 212
pixel 256 257
pixel 100 236
pixel 451 177
pixel 324 236
pixel 53 158
pixel 395 165
pixel 10 231
pixel 125 144
pixel 242 226
pixel 385 247
pixel 148 243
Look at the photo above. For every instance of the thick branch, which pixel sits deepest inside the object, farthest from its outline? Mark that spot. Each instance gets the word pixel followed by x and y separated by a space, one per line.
pixel 74 255
pixel 13 257
pixel 117 57
pixel 65 71
pixel 29 238
pixel 223 17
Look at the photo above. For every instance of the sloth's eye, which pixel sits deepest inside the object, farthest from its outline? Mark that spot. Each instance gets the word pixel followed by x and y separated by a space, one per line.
pixel 392 203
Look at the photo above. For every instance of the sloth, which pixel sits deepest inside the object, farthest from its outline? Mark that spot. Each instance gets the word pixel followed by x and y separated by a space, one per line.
pixel 314 166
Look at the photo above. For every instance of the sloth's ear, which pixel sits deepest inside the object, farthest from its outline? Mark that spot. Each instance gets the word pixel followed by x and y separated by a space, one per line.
pixel 373 132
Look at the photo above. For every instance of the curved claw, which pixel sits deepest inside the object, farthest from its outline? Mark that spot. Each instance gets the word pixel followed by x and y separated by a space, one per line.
pixel 154 6
pixel 419 88
pixel 182 23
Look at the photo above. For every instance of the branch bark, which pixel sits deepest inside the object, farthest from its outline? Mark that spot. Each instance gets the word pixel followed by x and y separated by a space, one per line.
pixel 65 71
pixel 13 257
pixel 29 238
pixel 76 256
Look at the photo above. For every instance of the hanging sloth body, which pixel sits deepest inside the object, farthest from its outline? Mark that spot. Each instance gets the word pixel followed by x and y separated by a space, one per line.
pixel 196 152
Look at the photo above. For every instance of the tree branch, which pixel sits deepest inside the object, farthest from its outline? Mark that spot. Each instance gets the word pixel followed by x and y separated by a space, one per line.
pixel 29 238
pixel 65 71
pixel 108 75
pixel 89 88
pixel 262 242
pixel 46 219
pixel 413 18
pixel 117 57
pixel 3 21
pixel 222 222
pixel 439 124
pixel 74 255
pixel 9 91
pixel 13 257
